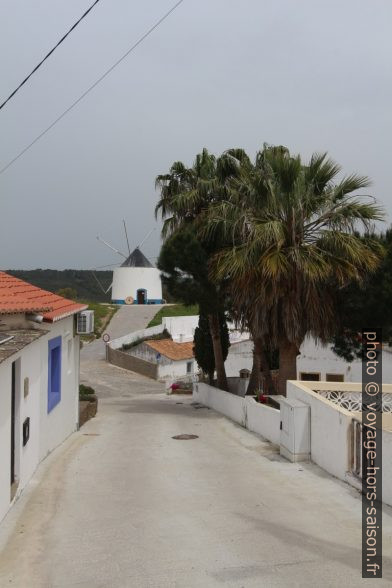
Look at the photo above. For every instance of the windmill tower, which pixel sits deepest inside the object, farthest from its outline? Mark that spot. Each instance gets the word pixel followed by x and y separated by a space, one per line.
pixel 136 280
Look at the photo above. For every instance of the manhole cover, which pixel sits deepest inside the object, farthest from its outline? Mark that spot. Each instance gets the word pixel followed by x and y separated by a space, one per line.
pixel 185 437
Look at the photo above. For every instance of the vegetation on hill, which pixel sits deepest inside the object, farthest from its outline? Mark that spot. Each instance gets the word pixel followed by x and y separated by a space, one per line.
pixel 81 282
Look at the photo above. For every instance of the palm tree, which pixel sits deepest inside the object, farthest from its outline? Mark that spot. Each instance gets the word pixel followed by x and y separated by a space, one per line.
pixel 293 239
pixel 186 193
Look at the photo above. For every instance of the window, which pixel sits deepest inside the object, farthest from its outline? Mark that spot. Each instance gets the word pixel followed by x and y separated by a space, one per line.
pixel 189 365
pixel 310 376
pixel 54 373
pixel 334 377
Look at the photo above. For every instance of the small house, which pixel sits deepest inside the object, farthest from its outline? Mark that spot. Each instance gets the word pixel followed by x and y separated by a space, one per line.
pixel 172 360
pixel 39 379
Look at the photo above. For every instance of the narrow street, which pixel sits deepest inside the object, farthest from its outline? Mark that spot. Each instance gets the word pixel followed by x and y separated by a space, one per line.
pixel 121 504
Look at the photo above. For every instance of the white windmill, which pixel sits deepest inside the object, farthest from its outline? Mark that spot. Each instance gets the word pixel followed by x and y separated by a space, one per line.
pixel 136 280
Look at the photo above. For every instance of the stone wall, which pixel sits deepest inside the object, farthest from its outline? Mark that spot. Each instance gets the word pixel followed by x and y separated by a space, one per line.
pixel 129 362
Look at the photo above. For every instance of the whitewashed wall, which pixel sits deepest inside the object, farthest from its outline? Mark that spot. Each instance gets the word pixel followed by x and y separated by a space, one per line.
pixel 330 433
pixel 256 417
pixel 131 337
pixel 46 430
pixel 175 369
pixel 240 357
pixel 181 328
pixel 63 419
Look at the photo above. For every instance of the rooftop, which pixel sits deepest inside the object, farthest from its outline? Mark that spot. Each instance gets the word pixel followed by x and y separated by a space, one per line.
pixel 16 340
pixel 172 350
pixel 136 259
pixel 18 296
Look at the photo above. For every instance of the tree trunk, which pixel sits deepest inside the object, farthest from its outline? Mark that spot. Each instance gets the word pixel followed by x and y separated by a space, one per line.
pixel 211 378
pixel 254 380
pixel 213 321
pixel 287 364
pixel 269 387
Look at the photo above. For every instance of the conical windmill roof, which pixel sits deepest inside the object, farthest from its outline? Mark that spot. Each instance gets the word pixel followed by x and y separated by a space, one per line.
pixel 136 259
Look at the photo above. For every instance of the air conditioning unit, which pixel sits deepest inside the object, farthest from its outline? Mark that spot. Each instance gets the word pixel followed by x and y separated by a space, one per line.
pixel 85 322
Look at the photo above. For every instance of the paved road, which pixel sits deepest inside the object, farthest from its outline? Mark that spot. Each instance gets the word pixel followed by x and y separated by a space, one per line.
pixel 126 320
pixel 122 504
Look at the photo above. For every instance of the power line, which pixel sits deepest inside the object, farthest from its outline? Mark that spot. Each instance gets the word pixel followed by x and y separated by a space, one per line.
pixel 49 54
pixel 99 80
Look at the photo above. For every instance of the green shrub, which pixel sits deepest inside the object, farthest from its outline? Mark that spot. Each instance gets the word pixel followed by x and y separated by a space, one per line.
pixel 164 335
pixel 85 392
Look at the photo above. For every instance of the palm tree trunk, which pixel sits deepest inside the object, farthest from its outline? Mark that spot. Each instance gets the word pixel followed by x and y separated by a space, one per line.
pixel 269 387
pixel 288 352
pixel 260 364
pixel 254 380
pixel 213 321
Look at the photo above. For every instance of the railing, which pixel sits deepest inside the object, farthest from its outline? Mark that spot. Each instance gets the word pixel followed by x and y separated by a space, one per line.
pixel 352 400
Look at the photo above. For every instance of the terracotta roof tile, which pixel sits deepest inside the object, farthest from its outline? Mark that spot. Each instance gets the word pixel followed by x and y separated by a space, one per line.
pixel 17 296
pixel 171 349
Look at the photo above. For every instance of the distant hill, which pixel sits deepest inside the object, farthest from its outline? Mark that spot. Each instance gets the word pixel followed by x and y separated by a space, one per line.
pixel 83 281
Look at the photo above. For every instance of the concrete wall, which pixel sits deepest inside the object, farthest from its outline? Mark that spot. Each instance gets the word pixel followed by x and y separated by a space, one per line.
pixel 331 430
pixel 256 417
pixel 175 369
pixel 238 385
pixel 132 363
pixel 46 430
pixel 132 337
pixel 240 356
pixel 181 328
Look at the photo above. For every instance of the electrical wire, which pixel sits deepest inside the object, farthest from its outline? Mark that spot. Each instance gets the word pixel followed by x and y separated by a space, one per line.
pixel 49 54
pixel 94 85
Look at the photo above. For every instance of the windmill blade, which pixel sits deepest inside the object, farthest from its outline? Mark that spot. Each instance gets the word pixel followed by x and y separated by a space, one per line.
pixel 111 247
pixel 99 283
pixel 126 236
pixel 146 237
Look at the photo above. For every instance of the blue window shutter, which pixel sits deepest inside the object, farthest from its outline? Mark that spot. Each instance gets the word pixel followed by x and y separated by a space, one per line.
pixel 54 372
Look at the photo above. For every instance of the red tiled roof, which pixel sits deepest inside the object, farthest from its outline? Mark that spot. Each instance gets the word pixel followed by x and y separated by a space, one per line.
pixel 171 349
pixel 17 296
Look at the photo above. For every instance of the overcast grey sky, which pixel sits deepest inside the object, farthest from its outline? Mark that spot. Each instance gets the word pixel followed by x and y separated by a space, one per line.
pixel 309 74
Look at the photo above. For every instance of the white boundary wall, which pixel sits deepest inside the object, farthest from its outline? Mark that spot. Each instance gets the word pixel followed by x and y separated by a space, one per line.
pixel 131 337
pixel 255 417
pixel 331 430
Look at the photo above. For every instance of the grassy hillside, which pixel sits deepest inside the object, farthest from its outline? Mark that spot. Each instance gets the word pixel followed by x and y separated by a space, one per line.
pixel 175 310
pixel 83 281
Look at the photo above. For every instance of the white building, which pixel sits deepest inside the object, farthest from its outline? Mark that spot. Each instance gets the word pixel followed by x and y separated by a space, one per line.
pixel 315 362
pixel 39 380
pixel 173 360
pixel 318 362
pixel 136 281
